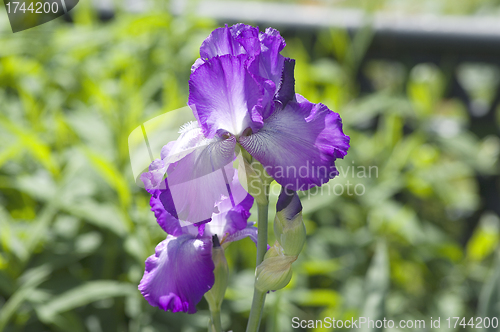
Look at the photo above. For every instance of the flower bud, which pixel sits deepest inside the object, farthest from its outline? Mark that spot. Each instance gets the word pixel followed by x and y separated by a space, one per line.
pixel 215 295
pixel 289 227
pixel 275 271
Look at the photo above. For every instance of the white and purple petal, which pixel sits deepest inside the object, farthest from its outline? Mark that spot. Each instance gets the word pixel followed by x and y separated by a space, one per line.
pixel 249 231
pixel 233 214
pixel 224 95
pixel 235 40
pixel 263 59
pixel 179 273
pixel 270 59
pixel 298 145
pixel 199 176
pixel 288 204
pixel 161 204
pixel 286 88
pixel 195 198
pixel 154 177
pixel 197 171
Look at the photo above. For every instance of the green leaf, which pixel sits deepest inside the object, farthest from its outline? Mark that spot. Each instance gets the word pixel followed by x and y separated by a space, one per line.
pixel 30 280
pixel 111 175
pixel 317 297
pixel 83 295
pixel 103 215
pixel 485 238
pixel 489 299
pixel 376 286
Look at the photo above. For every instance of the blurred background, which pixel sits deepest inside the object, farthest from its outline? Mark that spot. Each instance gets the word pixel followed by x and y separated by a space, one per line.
pixel 417 87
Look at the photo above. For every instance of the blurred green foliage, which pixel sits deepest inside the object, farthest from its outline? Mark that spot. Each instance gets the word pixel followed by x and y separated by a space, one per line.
pixel 75 229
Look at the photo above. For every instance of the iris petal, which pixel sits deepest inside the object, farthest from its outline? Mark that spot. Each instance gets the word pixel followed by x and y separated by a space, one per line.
pixel 270 59
pixel 199 177
pixel 264 61
pixel 199 180
pixel 224 96
pixel 160 200
pixel 153 179
pixel 233 213
pixel 286 88
pixel 249 231
pixel 298 145
pixel 195 198
pixel 179 273
pixel 263 47
pixel 235 40
pixel 288 204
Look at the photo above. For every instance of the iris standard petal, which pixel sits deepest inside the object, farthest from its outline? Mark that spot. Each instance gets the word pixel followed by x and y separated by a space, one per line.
pixel 270 59
pixel 280 92
pixel 235 40
pixel 263 47
pixel 286 89
pixel 298 144
pixel 179 273
pixel 224 96
pixel 272 72
pixel 268 68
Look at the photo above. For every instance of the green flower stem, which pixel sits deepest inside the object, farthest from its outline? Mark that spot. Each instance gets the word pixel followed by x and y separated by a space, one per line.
pixel 215 321
pixel 262 231
pixel 259 297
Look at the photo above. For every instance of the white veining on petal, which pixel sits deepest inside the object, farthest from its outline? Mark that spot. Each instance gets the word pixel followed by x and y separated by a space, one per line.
pixel 188 126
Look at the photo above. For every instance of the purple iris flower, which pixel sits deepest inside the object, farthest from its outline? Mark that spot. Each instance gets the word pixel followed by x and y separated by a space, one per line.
pixel 242 91
pixel 181 271
pixel 242 94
